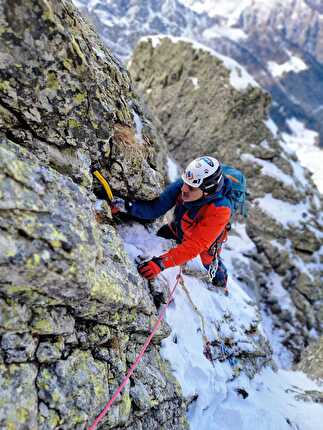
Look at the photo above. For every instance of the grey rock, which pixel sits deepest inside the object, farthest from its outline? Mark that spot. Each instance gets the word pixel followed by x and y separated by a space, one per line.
pixel 309 287
pixel 286 316
pixel 306 241
pixel 17 388
pixel 81 374
pixel 48 419
pixel 49 352
pixel 52 321
pixel 275 308
pixel 312 360
pixel 140 396
pixel 13 316
pixel 67 107
pixel 18 348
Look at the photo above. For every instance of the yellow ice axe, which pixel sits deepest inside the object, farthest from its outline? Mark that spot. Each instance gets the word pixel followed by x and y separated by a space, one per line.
pixel 104 183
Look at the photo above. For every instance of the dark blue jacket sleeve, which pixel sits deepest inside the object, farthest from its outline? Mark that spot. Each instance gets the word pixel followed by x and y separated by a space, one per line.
pixel 152 209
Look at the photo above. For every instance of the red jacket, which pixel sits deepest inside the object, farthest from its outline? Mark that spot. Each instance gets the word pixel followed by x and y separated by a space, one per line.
pixel 196 225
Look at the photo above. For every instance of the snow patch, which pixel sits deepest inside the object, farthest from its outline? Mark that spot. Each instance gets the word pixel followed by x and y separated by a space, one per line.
pixel 172 169
pixel 282 212
pixel 272 127
pixel 195 82
pixel 235 34
pixel 139 126
pixel 294 64
pixel 269 169
pixel 231 9
pixel 100 53
pixel 303 142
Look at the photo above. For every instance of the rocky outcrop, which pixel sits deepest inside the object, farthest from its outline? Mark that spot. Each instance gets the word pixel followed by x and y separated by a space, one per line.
pixel 311 364
pixel 205 108
pixel 73 310
pixel 312 360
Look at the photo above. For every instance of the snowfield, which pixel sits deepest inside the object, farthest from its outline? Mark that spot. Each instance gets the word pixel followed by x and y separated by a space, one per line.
pixel 222 397
pixel 303 142
pixel 294 64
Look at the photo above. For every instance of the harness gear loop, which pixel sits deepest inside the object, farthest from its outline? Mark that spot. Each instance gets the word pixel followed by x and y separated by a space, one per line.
pixel 104 183
pixel 104 411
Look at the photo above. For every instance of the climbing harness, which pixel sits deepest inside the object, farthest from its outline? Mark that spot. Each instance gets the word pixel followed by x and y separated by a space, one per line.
pixel 179 279
pixel 104 183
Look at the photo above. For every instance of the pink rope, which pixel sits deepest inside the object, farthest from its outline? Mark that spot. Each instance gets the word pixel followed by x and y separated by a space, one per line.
pixel 137 360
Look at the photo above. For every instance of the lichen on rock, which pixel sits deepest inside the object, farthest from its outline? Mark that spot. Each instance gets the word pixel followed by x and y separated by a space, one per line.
pixel 70 296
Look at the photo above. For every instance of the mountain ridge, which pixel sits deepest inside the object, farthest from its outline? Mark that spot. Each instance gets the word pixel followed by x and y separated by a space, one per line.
pixel 252 38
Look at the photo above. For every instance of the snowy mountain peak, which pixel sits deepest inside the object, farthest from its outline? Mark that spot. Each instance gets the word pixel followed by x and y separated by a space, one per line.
pixel 227 8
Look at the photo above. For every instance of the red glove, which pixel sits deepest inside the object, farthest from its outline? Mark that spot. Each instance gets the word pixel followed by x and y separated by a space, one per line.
pixel 151 268
pixel 118 205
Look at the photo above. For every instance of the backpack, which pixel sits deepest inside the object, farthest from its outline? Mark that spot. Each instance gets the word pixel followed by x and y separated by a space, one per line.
pixel 238 191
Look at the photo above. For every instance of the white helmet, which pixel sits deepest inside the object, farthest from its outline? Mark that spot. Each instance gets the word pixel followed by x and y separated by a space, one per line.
pixel 205 173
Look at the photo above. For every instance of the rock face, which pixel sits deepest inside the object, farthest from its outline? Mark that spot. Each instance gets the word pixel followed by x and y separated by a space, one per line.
pixel 73 310
pixel 312 360
pixel 200 110
pixel 312 365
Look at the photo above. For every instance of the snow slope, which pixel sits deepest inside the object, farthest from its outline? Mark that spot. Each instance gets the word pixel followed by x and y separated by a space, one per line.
pixel 221 397
pixel 302 141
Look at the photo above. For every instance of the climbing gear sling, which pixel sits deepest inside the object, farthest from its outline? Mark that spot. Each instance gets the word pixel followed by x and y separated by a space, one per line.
pixel 104 183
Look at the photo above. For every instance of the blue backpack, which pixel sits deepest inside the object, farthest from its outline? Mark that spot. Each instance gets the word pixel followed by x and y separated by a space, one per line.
pixel 237 195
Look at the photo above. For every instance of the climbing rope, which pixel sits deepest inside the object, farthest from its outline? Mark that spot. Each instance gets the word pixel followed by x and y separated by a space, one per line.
pixel 207 344
pixel 196 311
pixel 104 411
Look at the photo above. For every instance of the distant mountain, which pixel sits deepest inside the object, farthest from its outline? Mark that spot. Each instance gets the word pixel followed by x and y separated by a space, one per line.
pixel 279 42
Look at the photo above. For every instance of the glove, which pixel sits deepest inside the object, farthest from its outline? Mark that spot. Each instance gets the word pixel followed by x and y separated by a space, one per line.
pixel 151 268
pixel 118 205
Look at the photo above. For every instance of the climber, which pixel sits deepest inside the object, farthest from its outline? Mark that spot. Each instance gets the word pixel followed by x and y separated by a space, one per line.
pixel 200 223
